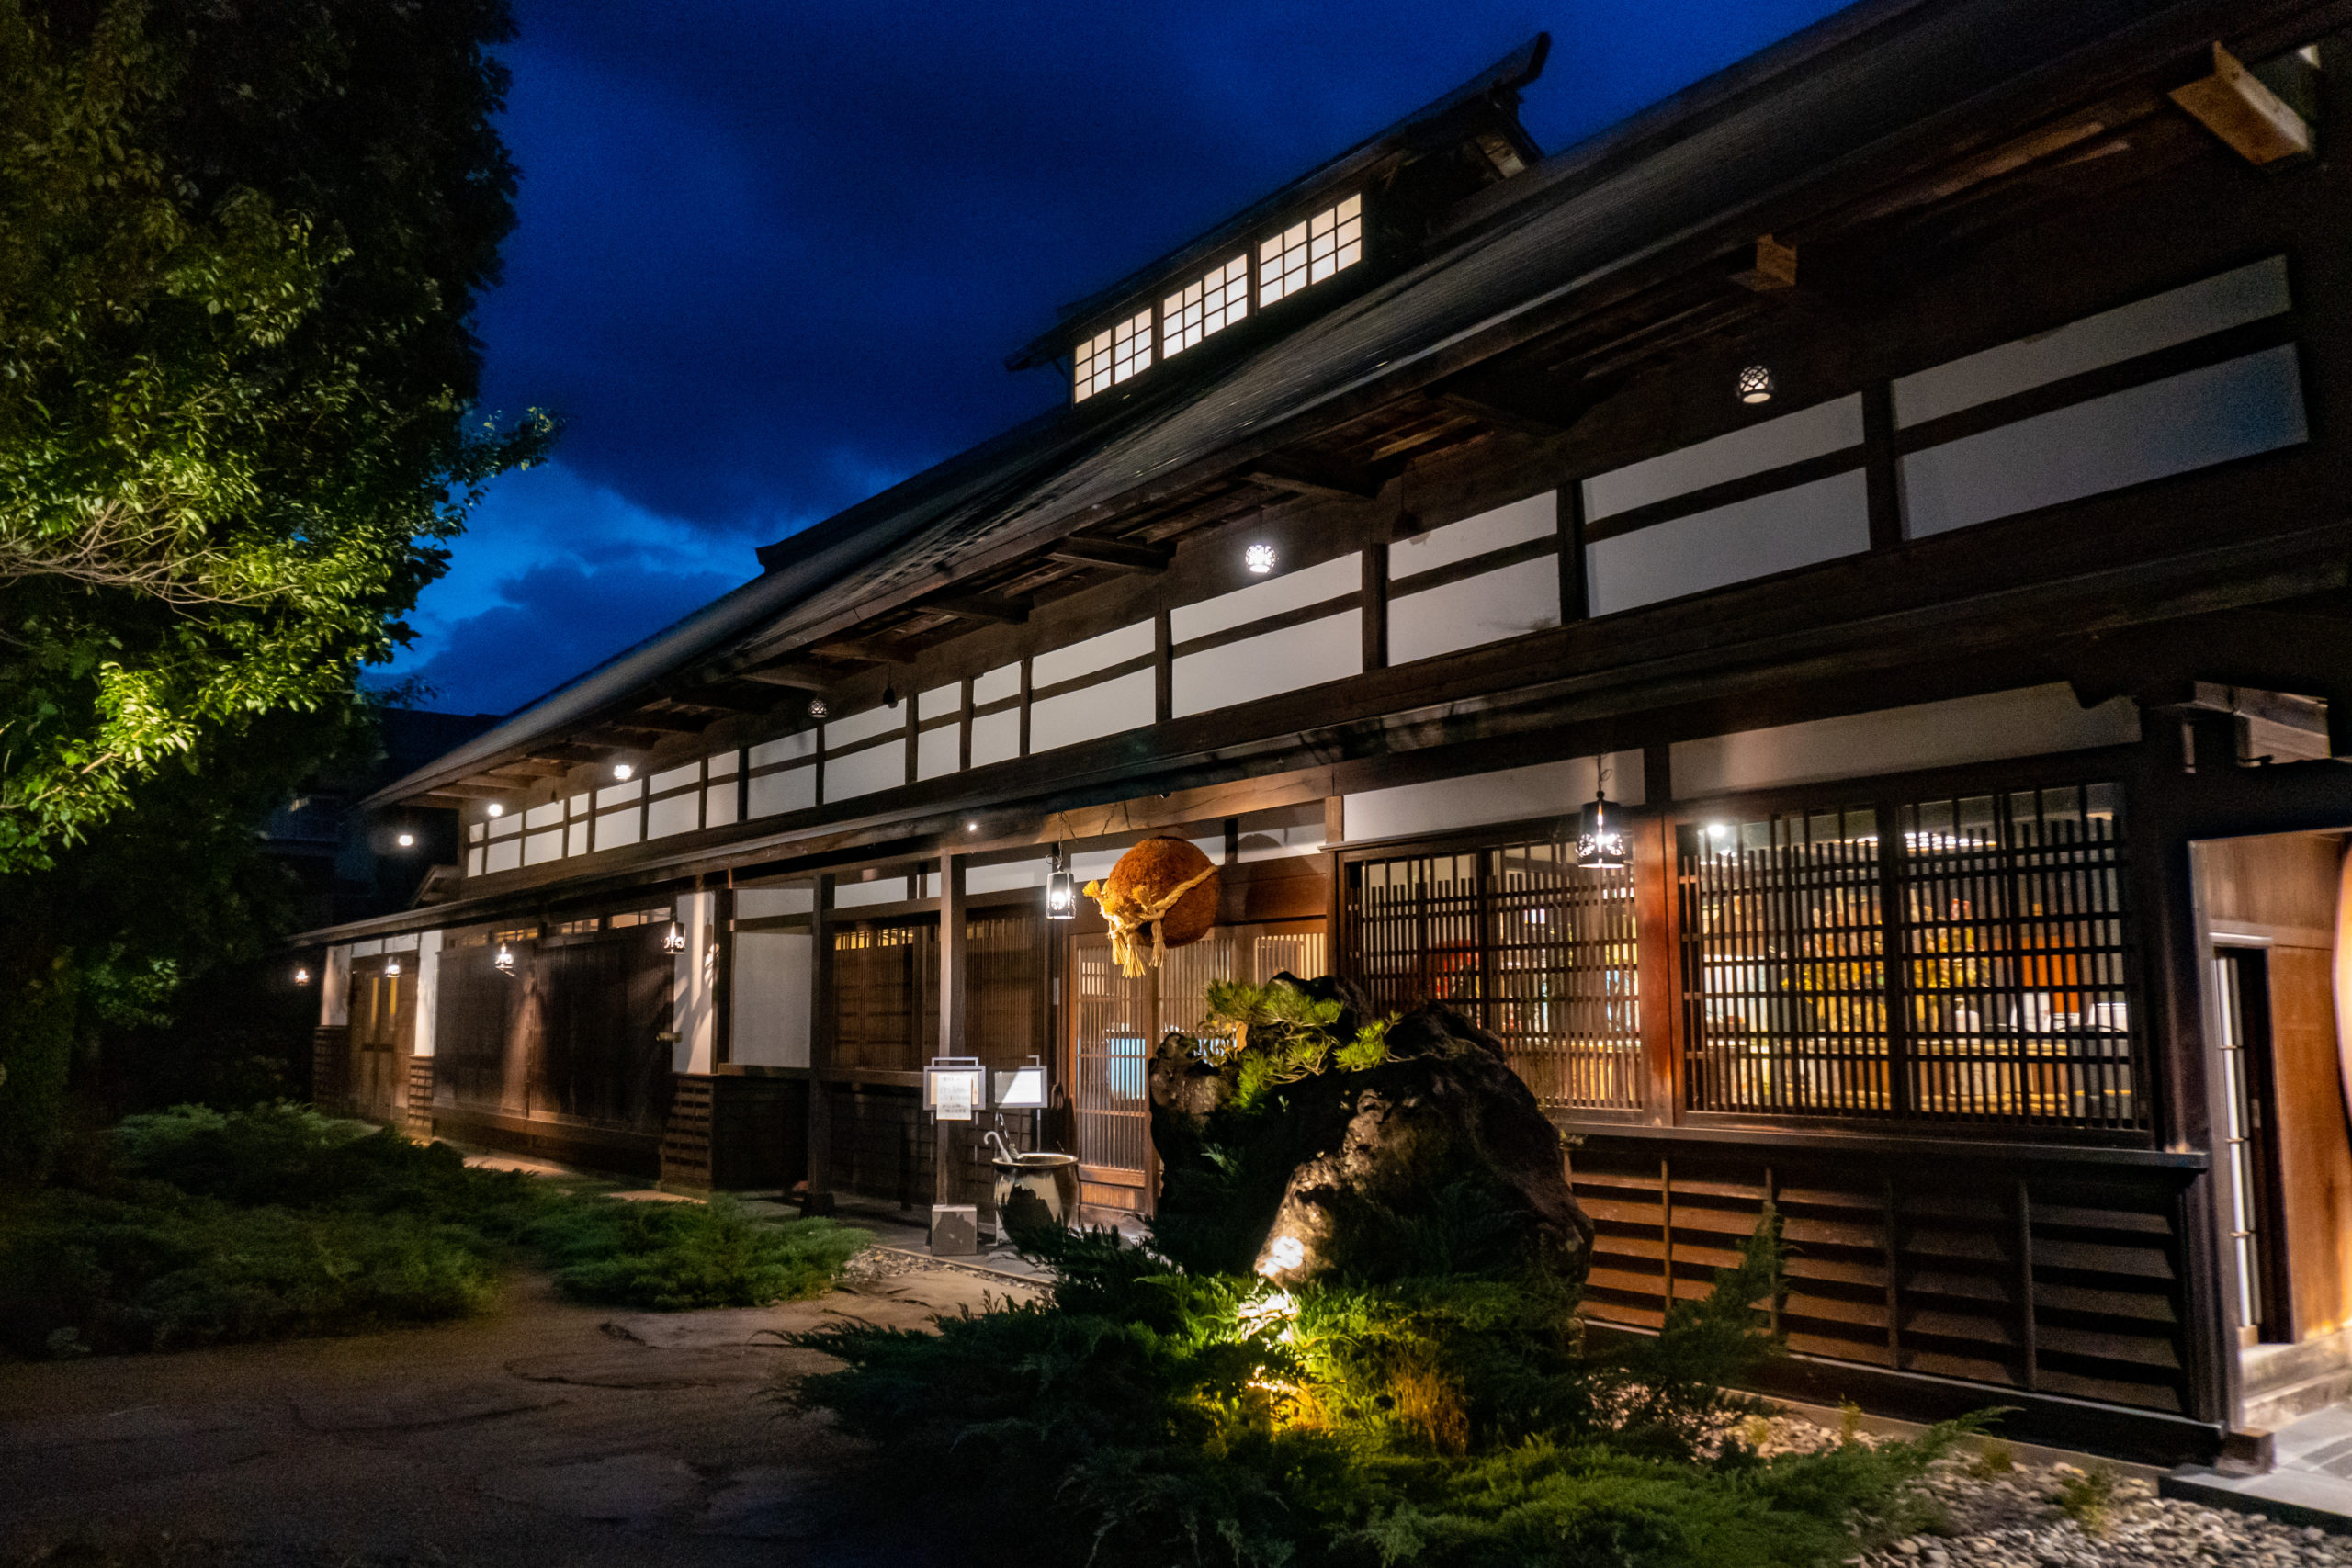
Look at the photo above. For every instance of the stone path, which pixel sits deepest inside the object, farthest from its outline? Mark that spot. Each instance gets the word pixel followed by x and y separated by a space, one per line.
pixel 548 1435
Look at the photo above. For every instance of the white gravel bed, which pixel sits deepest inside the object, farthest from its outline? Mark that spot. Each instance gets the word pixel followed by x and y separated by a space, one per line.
pixel 1989 1509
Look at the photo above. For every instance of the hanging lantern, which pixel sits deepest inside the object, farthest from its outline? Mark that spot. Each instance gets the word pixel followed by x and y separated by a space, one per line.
pixel 392 968
pixel 1756 383
pixel 1162 894
pixel 1601 836
pixel 505 962
pixel 1061 891
pixel 301 975
pixel 676 941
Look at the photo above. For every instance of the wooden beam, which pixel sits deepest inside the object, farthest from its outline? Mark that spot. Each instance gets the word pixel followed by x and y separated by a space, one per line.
pixel 1775 268
pixel 1540 406
pixel 1116 553
pixel 1304 476
pixel 863 651
pixel 717 698
pixel 663 723
pixel 476 789
pixel 525 768
pixel 1003 613
pixel 2255 123
pixel 799 677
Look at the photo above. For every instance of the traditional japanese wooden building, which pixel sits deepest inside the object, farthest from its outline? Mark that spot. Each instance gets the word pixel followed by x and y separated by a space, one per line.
pixel 1908 470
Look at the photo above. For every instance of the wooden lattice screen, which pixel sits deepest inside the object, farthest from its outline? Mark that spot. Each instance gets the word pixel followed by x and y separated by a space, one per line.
pixel 2009 1005
pixel 1522 939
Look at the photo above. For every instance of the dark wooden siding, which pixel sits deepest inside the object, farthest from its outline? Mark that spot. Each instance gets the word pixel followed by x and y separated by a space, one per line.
pixel 2039 1276
pixel 566 1055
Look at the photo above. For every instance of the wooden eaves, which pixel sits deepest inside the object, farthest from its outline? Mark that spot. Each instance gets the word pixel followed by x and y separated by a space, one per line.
pixel 1892 126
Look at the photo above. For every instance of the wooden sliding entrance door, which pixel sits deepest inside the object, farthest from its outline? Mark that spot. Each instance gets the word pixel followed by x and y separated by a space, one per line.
pixel 1117 1021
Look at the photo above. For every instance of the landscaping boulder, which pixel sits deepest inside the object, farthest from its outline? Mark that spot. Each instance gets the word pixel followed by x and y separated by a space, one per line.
pixel 1444 1151
pixel 1438 1160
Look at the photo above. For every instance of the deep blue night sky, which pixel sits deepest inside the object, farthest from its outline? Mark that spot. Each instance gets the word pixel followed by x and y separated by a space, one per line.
pixel 772 257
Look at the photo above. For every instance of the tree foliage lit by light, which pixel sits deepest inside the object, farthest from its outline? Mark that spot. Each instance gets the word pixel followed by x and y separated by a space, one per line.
pixel 235 375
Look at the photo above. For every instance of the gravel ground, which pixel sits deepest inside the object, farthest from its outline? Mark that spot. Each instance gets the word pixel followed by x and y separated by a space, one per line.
pixel 1991 1510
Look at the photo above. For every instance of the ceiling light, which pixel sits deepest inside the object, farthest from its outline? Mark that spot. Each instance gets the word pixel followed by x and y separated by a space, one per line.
pixel 815 707
pixel 1061 891
pixel 406 840
pixel 301 976
pixel 505 962
pixel 392 968
pixel 497 809
pixel 623 772
pixel 971 826
pixel 1756 385
pixel 676 941
pixel 1258 559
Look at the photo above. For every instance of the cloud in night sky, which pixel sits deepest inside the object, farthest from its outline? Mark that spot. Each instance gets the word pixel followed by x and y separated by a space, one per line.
pixel 772 257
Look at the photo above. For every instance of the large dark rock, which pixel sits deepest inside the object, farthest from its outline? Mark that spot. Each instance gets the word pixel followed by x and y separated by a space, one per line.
pixel 1438 1160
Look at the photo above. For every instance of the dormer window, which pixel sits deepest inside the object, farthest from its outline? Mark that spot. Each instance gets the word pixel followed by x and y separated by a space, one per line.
pixel 1309 251
pixel 1112 355
pixel 1209 304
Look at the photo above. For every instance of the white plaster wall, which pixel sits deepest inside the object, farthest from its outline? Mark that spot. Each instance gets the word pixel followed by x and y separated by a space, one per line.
pixel 428 991
pixel 334 989
pixel 1544 789
pixel 2021 722
pixel 770 1026
pixel 695 1015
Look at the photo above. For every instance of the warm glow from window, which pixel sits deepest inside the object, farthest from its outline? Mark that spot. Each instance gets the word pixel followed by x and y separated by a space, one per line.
pixel 1310 252
pixel 1211 304
pixel 1109 357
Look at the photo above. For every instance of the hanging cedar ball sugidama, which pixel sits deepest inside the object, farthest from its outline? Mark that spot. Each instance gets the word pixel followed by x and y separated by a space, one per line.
pixel 1162 894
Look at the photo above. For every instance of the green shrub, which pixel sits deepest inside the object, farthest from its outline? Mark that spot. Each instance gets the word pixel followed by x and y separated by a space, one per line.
pixel 1430 1397
pixel 675 1257
pixel 163 1270
pixel 200 1227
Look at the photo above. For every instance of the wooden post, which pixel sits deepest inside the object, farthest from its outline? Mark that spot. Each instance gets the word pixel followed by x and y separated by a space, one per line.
pixel 1881 484
pixel 951 1011
pixel 820 1048
pixel 1655 960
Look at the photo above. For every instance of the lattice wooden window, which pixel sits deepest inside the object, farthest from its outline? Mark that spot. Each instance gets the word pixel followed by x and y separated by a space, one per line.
pixel 1209 304
pixel 1111 355
pixel 2011 1001
pixel 1524 942
pixel 1310 251
pixel 886 995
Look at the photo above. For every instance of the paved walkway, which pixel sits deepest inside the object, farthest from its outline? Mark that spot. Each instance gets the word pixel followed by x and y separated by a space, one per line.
pixel 547 1434
pixel 2311 1485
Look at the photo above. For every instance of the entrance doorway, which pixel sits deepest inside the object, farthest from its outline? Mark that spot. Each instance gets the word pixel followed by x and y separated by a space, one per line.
pixel 2241 978
pixel 1119 1019
pixel 2282 1173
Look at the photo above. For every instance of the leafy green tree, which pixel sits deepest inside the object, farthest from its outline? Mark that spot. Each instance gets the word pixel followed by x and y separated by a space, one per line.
pixel 239 239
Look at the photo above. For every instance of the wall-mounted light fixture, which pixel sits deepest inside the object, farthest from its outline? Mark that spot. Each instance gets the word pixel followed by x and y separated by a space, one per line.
pixel 505 962
pixel 1061 890
pixel 676 941
pixel 623 772
pixel 495 809
pixel 301 975
pixel 1756 383
pixel 1258 559
pixel 406 840
pixel 392 967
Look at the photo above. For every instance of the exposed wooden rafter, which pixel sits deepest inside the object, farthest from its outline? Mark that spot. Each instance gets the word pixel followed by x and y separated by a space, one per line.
pixel 1309 476
pixel 1003 613
pixel 1117 555
pixel 2234 104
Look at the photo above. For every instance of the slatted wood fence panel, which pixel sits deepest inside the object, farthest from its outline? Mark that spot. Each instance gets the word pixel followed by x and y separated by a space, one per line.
pixel 2065 1281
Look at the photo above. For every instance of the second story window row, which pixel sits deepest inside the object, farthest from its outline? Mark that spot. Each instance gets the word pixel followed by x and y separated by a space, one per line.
pixel 1110 357
pixel 1305 253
